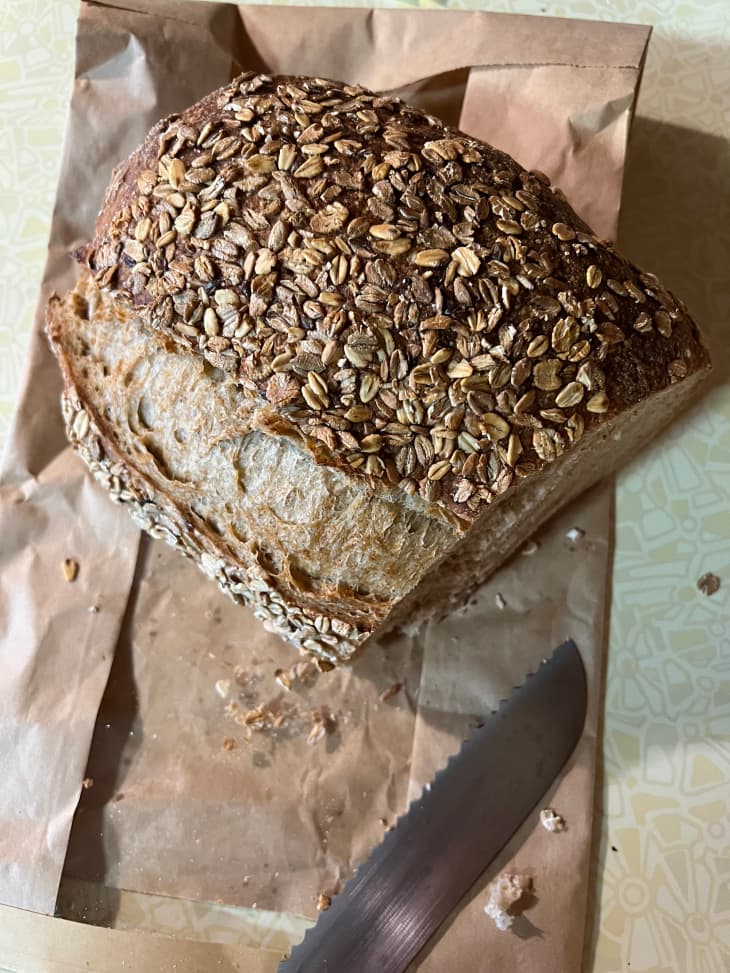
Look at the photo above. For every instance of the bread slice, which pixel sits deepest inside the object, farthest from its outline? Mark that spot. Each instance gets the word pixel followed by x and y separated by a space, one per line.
pixel 386 357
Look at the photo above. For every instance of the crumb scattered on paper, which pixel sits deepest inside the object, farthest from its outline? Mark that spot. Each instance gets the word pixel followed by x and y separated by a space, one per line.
pixel 323 902
pixel 551 821
pixel 87 783
pixel 575 534
pixel 270 715
pixel 93 609
pixel 529 548
pixel 250 702
pixel 223 687
pixel 323 722
pixel 709 584
pixel 324 665
pixel 317 733
pixel 505 893
pixel 241 676
pixel 390 692
pixel 70 568
pixel 256 719
pixel 229 743
pixel 304 671
pixel 500 600
pixel 283 678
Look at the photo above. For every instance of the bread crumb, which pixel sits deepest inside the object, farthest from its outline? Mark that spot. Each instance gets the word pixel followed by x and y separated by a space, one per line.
pixel 93 609
pixel 316 733
pixel 323 722
pixel 283 678
pixel 575 534
pixel 505 893
pixel 500 600
pixel 709 584
pixel 551 821
pixel 241 676
pixel 390 692
pixel 323 902
pixel 70 568
pixel 255 718
pixel 87 783
pixel 223 687
pixel 229 743
pixel 304 671
pixel 262 717
pixel 529 548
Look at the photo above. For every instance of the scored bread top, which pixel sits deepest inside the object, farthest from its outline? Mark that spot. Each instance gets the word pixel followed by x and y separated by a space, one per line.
pixel 409 301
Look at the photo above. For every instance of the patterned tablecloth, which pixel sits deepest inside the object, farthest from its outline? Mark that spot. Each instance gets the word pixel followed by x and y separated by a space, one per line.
pixel 663 885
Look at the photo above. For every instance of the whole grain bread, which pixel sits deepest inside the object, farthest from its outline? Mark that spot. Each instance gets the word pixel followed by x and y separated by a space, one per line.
pixel 348 358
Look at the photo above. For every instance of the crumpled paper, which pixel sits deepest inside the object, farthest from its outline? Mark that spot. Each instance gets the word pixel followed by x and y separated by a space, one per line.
pixel 182 799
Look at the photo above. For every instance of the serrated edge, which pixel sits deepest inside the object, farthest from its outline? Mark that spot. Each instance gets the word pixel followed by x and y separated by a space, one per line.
pixel 391 835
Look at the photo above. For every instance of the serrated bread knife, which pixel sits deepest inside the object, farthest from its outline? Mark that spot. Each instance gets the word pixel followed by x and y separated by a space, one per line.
pixel 413 880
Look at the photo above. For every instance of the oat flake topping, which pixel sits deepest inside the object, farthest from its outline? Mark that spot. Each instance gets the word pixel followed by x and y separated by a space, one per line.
pixel 399 293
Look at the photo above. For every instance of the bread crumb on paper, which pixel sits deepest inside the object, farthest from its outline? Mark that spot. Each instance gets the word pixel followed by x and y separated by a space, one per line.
pixel 223 687
pixel 551 821
pixel 575 534
pixel 229 743
pixel 324 901
pixel 283 678
pixel 390 692
pixel 708 584
pixel 70 568
pixel 323 722
pixel 505 892
pixel 500 601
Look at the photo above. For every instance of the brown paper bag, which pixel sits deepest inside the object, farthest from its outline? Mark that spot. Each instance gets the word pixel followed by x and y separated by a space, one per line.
pixel 274 821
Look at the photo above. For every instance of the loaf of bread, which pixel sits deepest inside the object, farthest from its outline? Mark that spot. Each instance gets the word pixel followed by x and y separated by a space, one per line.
pixel 348 359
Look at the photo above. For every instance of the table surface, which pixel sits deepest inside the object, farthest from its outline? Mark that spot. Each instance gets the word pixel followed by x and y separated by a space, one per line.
pixel 663 888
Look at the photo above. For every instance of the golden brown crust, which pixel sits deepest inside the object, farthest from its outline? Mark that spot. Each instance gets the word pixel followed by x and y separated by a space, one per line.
pixel 421 308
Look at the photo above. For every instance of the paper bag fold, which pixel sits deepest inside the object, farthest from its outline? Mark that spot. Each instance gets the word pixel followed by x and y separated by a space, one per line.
pixel 275 821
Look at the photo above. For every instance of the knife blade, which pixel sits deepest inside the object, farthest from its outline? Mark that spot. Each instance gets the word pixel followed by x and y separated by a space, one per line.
pixel 415 878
